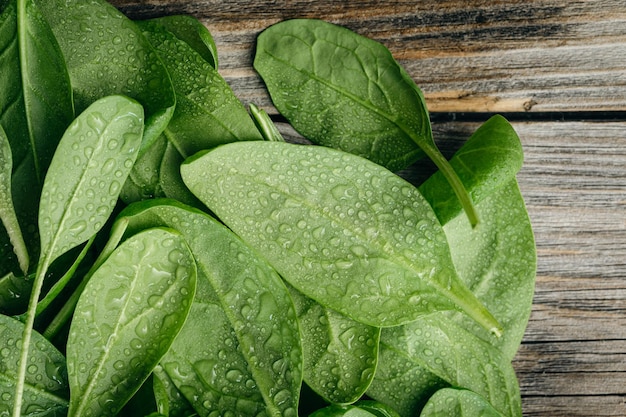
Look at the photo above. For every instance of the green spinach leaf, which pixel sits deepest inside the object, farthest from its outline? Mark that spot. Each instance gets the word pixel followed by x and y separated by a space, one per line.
pixel 193 32
pixel 81 188
pixel 7 209
pixel 457 357
pixel 106 54
pixel 346 91
pixel 457 402
pixel 342 230
pixel 126 319
pixel 339 353
pixel 207 114
pixel 46 387
pixel 35 109
pixel 253 364
pixel 488 160
pixel 497 261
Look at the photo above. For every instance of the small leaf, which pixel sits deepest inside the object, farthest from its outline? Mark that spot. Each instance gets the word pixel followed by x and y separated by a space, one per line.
pixel 87 171
pixel 7 210
pixel 46 388
pixel 126 319
pixel 207 114
pixel 457 357
pixel 340 229
pixel 498 262
pixel 339 353
pixel 449 402
pixel 253 363
pixel 192 32
pixel 170 401
pixel 488 160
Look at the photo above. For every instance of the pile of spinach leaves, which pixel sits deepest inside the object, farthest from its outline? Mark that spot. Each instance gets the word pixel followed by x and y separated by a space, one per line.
pixel 165 252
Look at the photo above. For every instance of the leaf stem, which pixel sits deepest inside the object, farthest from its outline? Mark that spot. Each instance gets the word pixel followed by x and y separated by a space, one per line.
pixel 455 182
pixel 27 334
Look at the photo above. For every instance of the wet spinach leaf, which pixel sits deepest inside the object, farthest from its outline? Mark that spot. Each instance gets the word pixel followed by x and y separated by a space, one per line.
pixel 7 209
pixel 81 188
pixel 35 109
pixel 490 158
pixel 454 355
pixel 457 402
pixel 253 364
pixel 346 91
pixel 46 388
pixel 106 54
pixel 126 319
pixel 498 260
pixel 342 230
pixel 192 32
pixel 340 354
pixel 207 114
pixel 169 400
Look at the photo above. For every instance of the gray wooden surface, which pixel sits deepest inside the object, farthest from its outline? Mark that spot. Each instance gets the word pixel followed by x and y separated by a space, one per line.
pixel 557 69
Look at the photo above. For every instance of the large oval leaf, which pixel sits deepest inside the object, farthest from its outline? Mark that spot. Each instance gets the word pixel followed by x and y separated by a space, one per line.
pixel 46 388
pixel 87 171
pixel 253 364
pixel 126 319
pixel 342 230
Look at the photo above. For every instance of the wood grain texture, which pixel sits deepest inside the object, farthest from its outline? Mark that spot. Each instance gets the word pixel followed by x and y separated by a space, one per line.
pixel 534 60
pixel 492 56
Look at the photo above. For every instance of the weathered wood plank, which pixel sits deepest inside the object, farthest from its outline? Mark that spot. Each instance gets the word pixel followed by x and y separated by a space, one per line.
pixel 505 56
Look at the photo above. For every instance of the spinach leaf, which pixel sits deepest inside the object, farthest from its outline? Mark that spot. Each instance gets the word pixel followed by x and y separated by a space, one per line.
pixel 207 114
pixel 35 108
pixel 361 409
pixel 457 357
pixel 126 319
pixel 339 353
pixel 457 402
pixel 46 388
pixel 253 363
pixel 81 188
pixel 488 160
pixel 86 175
pixel 343 90
pixel 498 260
pixel 193 32
pixel 342 230
pixel 170 401
pixel 106 54
pixel 7 210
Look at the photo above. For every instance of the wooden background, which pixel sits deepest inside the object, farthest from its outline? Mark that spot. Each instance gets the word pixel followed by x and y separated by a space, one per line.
pixel 557 70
